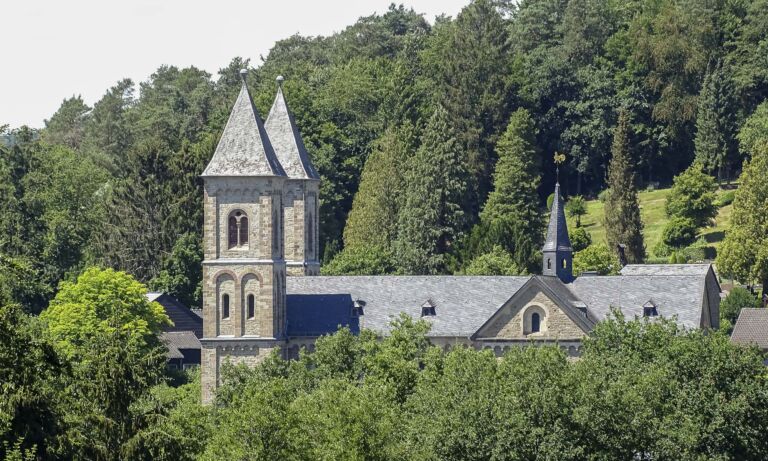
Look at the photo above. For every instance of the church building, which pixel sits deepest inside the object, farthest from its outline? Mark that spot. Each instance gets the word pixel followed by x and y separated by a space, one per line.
pixel 262 291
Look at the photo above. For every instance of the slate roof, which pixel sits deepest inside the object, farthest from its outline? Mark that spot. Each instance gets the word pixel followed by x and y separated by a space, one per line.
pixel 244 148
pixel 286 140
pixel 681 295
pixel 557 230
pixel 180 340
pixel 666 269
pixel 317 305
pixel 752 328
pixel 183 318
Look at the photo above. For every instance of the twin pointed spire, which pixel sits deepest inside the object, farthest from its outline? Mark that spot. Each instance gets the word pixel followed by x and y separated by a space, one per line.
pixel 246 146
pixel 286 139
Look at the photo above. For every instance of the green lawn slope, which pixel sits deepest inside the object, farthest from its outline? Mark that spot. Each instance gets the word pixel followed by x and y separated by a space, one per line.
pixel 654 220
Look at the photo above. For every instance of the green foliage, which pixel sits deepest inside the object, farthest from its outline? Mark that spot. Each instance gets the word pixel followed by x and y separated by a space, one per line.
pixel 725 199
pixel 66 127
pixel 754 132
pixel 595 258
pixel 731 306
pixel 373 218
pixel 580 238
pixel 496 262
pixel 744 253
pixel 361 260
pixel 435 199
pixel 182 272
pixel 358 397
pixel 715 141
pixel 576 207
pixel 622 211
pixel 679 232
pixel 693 197
pixel 30 415
pixel 102 303
pixel 172 424
pixel 511 217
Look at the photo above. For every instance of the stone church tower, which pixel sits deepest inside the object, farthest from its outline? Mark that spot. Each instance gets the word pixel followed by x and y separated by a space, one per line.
pixel 244 270
pixel 301 190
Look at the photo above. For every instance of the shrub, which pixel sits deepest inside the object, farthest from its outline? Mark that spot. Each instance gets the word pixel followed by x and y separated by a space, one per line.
pixel 580 238
pixel 726 198
pixel 679 232
pixel 576 208
pixel 737 299
pixel 597 258
pixel 692 196
pixel 603 196
pixel 496 262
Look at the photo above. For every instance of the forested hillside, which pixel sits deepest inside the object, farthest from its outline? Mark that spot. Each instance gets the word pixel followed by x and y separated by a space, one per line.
pixel 434 141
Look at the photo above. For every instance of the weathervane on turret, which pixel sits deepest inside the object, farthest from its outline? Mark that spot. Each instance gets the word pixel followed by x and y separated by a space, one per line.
pixel 559 158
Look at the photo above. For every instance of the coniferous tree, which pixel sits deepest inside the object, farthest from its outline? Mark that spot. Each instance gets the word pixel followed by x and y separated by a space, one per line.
pixel 433 216
pixel 471 66
pixel 511 217
pixel 715 125
pixel 622 211
pixel 744 253
pixel 373 218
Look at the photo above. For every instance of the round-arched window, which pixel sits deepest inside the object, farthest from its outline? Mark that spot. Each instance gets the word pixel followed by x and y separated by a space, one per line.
pixel 535 322
pixel 225 306
pixel 238 230
pixel 251 306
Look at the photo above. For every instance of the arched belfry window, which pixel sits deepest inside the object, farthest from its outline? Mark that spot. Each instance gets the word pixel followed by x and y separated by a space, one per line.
pixel 549 263
pixel 238 229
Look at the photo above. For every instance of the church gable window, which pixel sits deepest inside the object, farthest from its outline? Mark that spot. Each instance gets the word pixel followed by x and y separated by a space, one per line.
pixel 237 228
pixel 534 320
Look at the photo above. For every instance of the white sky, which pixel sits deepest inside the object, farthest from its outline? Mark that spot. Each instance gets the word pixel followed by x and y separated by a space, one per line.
pixel 53 49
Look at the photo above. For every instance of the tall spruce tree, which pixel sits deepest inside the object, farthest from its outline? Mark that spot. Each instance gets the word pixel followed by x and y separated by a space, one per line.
pixel 433 215
pixel 373 218
pixel 510 217
pixel 470 58
pixel 715 124
pixel 622 211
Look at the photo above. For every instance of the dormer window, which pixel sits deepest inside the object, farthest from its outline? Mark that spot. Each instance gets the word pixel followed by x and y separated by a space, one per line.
pixel 357 308
pixel 238 230
pixel 650 309
pixel 428 309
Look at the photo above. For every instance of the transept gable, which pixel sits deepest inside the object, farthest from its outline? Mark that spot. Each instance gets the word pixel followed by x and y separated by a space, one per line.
pixel 538 312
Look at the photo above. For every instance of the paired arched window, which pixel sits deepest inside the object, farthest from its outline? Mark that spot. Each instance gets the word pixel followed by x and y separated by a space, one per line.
pixel 225 306
pixel 251 306
pixel 238 229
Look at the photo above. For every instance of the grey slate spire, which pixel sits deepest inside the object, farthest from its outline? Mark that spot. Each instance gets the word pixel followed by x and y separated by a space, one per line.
pixel 286 139
pixel 244 148
pixel 557 251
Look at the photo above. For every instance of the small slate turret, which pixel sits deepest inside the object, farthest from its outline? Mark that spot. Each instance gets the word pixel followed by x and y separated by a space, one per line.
pixel 557 251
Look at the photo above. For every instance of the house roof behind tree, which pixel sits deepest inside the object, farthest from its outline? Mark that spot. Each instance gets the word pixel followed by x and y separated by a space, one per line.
pixel 752 328
pixel 183 318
